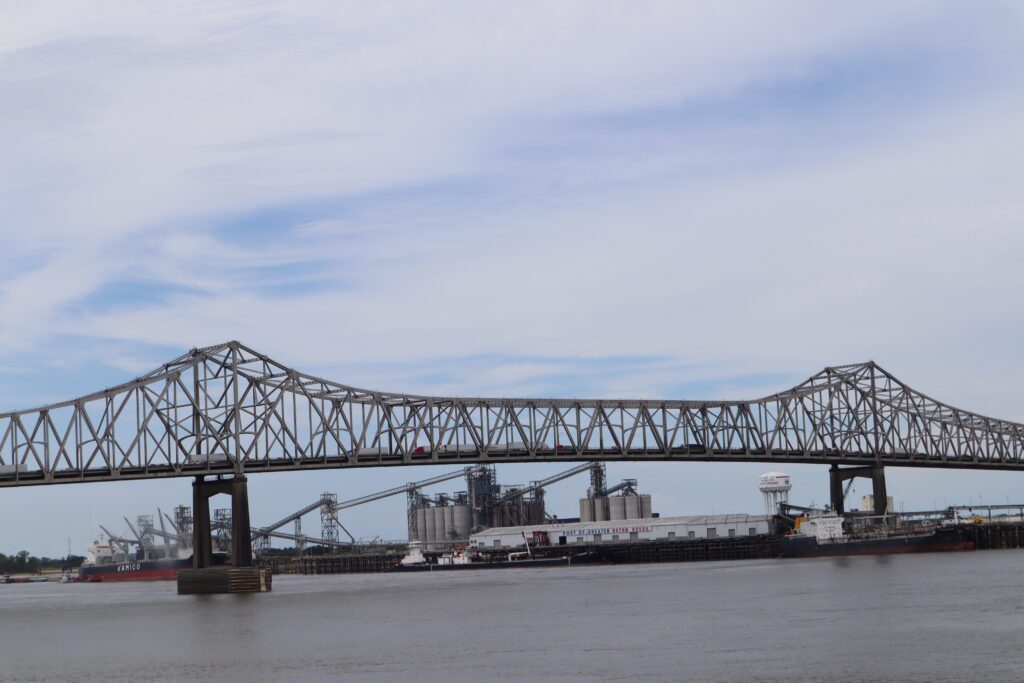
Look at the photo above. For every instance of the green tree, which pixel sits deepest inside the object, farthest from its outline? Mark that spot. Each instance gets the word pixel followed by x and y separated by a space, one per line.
pixel 21 561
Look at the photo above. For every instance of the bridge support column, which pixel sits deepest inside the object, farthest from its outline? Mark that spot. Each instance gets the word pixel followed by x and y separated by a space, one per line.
pixel 879 494
pixel 838 476
pixel 835 490
pixel 241 534
pixel 241 541
pixel 202 534
pixel 241 576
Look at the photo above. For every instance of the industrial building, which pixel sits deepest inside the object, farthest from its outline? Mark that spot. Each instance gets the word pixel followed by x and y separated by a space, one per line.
pixel 447 520
pixel 601 505
pixel 620 514
pixel 441 521
pixel 622 531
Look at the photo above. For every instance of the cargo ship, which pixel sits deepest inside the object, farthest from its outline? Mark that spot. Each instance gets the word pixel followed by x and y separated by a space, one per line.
pixel 104 563
pixel 825 536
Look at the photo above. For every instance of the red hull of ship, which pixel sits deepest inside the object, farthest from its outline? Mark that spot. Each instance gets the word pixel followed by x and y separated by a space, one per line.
pixel 135 570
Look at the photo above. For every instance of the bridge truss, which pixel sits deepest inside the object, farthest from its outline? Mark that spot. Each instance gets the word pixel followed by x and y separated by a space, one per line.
pixel 229 410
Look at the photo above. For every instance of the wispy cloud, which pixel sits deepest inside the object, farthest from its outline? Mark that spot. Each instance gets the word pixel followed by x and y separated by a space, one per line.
pixel 579 199
pixel 633 185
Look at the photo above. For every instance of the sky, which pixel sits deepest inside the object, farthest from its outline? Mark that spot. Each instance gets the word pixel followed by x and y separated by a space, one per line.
pixel 601 199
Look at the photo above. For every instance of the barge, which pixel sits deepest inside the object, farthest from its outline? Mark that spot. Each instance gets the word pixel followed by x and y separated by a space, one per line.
pixel 830 535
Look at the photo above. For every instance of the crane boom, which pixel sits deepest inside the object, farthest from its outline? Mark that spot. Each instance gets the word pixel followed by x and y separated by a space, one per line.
pixel 292 517
pixel 145 548
pixel 365 499
pixel 545 482
pixel 163 529
pixel 125 543
pixel 402 489
pixel 254 532
pixel 624 484
pixel 307 539
pixel 174 525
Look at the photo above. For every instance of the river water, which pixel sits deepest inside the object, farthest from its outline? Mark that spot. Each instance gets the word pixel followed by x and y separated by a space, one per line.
pixel 941 617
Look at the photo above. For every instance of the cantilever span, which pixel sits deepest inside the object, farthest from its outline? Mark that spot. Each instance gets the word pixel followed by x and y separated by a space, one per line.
pixel 229 410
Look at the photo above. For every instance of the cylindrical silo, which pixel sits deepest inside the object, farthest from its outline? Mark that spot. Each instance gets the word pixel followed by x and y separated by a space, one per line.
pixel 617 508
pixel 462 521
pixel 600 509
pixel 645 506
pixel 429 528
pixel 632 504
pixel 449 522
pixel 440 520
pixel 421 524
pixel 535 512
pixel 586 509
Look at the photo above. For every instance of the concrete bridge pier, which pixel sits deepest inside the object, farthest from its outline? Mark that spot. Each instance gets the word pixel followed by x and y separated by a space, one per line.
pixel 241 542
pixel 838 476
pixel 240 576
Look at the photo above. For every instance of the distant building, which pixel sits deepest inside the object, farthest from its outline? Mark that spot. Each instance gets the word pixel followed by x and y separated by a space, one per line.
pixel 624 531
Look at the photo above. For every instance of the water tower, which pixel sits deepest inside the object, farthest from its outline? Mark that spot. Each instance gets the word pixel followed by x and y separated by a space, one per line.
pixel 775 488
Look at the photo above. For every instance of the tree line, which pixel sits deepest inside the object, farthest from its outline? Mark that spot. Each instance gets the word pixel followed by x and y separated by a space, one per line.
pixel 26 563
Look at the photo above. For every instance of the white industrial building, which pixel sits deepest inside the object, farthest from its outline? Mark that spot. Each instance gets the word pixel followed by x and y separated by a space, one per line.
pixel 622 531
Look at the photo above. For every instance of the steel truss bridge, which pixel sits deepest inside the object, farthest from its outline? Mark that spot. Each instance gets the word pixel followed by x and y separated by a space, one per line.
pixel 229 410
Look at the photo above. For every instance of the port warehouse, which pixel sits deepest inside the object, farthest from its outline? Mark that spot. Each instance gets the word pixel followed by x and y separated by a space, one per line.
pixel 624 530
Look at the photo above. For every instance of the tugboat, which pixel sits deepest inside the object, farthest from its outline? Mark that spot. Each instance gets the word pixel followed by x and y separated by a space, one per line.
pixel 826 535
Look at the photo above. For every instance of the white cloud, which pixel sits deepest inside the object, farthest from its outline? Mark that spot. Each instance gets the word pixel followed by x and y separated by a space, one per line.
pixel 728 193
pixel 122 121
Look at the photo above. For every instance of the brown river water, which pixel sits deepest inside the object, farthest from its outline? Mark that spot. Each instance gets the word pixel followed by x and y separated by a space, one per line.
pixel 939 617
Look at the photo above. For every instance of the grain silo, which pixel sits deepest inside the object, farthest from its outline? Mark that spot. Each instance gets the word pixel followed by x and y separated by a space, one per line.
pixel 421 525
pixel 631 505
pixel 440 524
pixel 586 509
pixel 645 506
pixel 461 521
pixel 429 528
pixel 617 508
